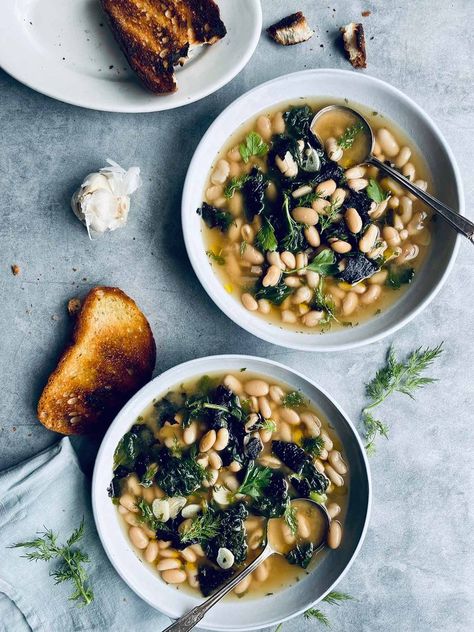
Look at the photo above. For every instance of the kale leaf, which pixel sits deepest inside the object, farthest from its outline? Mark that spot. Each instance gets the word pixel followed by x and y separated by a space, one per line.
pixel 138 438
pixel 399 276
pixel 253 191
pixel 276 294
pixel 298 120
pixel 274 499
pixel 210 578
pixel 309 481
pixel 301 555
pixel 231 535
pixel 215 217
pixel 358 267
pixel 179 476
pixel 291 455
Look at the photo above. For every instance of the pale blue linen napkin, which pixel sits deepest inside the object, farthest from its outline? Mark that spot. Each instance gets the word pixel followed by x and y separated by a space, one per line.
pixel 51 490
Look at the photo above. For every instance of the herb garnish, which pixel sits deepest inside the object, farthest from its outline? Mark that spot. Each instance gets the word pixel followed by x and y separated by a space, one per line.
pixel 324 302
pixel 252 146
pixel 293 400
pixel 324 263
pixel 203 528
pixel 313 445
pixel 402 377
pixel 265 240
pixel 291 519
pixel 72 560
pixel 333 598
pixel 147 517
pixel 276 294
pixel 217 257
pixel 147 479
pixel 346 140
pixel 235 184
pixel 375 192
pixel 330 214
pixel 255 481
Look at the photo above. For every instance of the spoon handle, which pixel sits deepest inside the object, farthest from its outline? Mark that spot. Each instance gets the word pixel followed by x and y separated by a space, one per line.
pixel 192 618
pixel 458 222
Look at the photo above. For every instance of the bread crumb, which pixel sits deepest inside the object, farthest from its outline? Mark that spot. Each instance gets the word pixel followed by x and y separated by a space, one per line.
pixel 73 306
pixel 15 269
pixel 365 14
pixel 54 317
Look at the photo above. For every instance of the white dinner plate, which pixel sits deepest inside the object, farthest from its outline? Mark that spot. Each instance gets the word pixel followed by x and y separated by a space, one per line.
pixel 65 49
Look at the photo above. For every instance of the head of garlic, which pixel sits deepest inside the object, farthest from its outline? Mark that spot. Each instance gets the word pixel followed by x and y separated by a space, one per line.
pixel 102 201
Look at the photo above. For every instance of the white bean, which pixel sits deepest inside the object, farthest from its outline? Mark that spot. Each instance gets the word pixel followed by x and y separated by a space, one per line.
pixel 151 551
pixel 288 259
pixel 409 171
pixel 353 220
pixel 372 294
pixel 354 173
pixel 249 302
pixel 167 564
pixel 326 188
pixel 264 407
pixel 369 238
pixel 264 127
pixel 304 215
pixel 312 318
pixel 207 441
pixel 272 276
pixel 333 509
pixel 387 142
pixel 312 279
pixel 129 502
pixel 302 295
pixel 358 184
pixel 312 236
pixel 264 306
pixel 276 393
pixel 337 462
pixel 222 439
pixel 174 576
pixel 290 416
pixel 252 255
pixel 221 172
pixel 403 157
pixel 287 316
pixel 274 259
pixel 340 246
pixel 233 384
pixel 190 433
pixel 349 303
pixel 138 537
pixel 334 534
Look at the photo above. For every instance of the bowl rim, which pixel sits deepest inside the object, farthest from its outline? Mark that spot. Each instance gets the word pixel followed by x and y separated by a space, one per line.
pixel 273 333
pixel 97 493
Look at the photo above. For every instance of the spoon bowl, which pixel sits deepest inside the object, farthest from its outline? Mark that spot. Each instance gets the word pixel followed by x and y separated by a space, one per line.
pixel 360 152
pixel 316 528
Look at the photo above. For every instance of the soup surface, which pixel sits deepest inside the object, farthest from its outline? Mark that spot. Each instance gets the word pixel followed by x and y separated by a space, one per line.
pixel 206 466
pixel 300 239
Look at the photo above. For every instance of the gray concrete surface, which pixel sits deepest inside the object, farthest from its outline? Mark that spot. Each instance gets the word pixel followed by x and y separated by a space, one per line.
pixel 413 572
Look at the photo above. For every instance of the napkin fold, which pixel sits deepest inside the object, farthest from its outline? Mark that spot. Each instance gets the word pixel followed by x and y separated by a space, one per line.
pixel 51 491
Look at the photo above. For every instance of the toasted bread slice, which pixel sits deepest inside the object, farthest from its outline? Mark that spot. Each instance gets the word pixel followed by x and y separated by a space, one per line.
pixel 353 39
pixel 291 30
pixel 112 355
pixel 155 35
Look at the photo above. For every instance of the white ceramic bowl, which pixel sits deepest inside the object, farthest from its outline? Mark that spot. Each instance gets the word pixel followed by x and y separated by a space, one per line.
pixel 376 95
pixel 246 614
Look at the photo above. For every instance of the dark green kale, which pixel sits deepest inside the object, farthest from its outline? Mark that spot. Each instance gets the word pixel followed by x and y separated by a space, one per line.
pixel 276 294
pixel 310 480
pixel 399 276
pixel 294 239
pixel 298 120
pixel 179 476
pixel 274 498
pixel 301 555
pixel 215 217
pixel 358 267
pixel 291 455
pixel 136 440
pixel 165 410
pixel 253 191
pixel 231 535
pixel 210 578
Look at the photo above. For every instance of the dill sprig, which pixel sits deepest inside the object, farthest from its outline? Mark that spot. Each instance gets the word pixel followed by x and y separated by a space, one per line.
pixel 396 377
pixel 313 445
pixel 293 400
pixel 203 527
pixel 71 560
pixel 291 519
pixel 346 140
pixel 315 613
pixel 335 598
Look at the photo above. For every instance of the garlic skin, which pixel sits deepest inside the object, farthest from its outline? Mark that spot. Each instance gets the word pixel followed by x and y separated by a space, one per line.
pixel 102 202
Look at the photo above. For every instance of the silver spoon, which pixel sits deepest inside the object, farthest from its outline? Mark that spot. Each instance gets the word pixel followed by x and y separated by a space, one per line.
pixel 192 618
pixel 458 222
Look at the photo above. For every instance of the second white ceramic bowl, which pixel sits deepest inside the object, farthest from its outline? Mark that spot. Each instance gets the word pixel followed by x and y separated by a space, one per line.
pixel 376 95
pixel 248 613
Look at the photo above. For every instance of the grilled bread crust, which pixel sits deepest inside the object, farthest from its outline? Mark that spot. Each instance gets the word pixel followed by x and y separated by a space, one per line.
pixel 112 355
pixel 155 35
